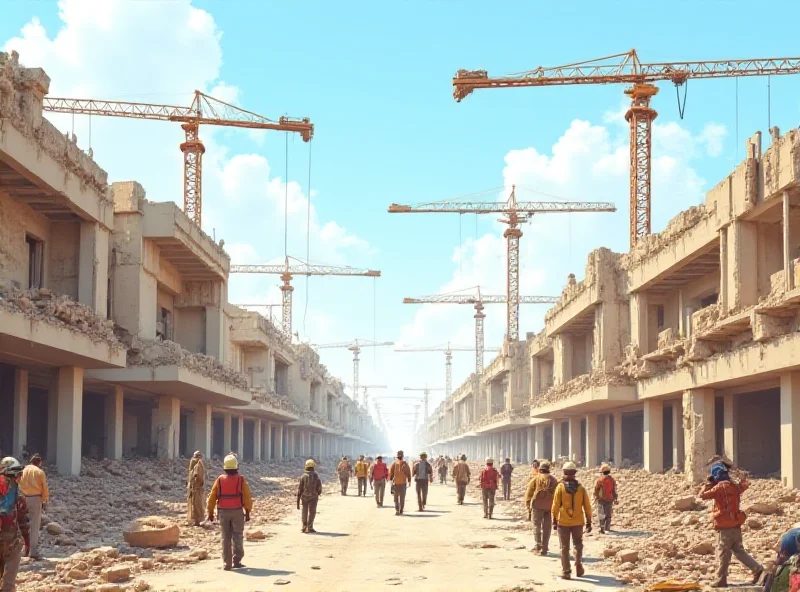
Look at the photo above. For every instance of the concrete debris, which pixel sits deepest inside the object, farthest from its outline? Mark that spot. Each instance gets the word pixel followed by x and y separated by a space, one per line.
pixel 649 245
pixel 151 532
pixel 47 306
pixel 601 262
pixel 99 553
pixel 157 352
pixel 579 384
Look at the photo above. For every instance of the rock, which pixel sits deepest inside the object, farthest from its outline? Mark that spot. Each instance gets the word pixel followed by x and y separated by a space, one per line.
pixel 282 582
pixel 315 567
pixel 255 535
pixel 628 556
pixel 146 563
pixel 690 519
pixel 77 574
pixel 755 524
pixel 118 573
pixel 141 586
pixel 488 546
pixel 107 588
pixel 764 508
pixel 152 532
pixel 683 504
pixel 704 548
pixel 55 528
pixel 199 554
pixel 610 552
pixel 65 541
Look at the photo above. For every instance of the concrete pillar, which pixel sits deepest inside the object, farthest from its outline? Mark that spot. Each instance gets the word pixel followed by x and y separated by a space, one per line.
pixel 168 427
pixel 654 435
pixel 93 267
pixel 575 449
pixel 787 246
pixel 729 422
pixel 114 406
pixel 592 452
pixel 215 327
pixel 557 445
pixel 531 445
pixel 278 441
pixel 742 264
pixel 538 443
pixel 639 325
pixel 20 411
pixel 202 429
pixel 227 429
pixel 618 457
pixel 52 417
pixel 268 441
pixel 790 438
pixel 607 436
pixel 70 420
pixel 698 409
pixel 677 435
pixel 257 440
pixel 240 436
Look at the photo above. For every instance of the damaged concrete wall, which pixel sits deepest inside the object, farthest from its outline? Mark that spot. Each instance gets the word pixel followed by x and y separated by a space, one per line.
pixel 63 262
pixel 16 222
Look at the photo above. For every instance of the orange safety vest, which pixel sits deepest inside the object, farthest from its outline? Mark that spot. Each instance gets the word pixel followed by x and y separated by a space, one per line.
pixel 230 492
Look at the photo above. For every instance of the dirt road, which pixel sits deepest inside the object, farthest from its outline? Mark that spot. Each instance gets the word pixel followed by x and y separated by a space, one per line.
pixel 361 547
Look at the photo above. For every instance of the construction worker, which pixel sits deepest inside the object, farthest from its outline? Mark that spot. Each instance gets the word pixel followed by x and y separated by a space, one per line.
pixel 362 472
pixel 505 472
pixel 571 510
pixel 344 470
pixel 728 520
pixel 441 468
pixel 33 484
pixel 461 478
pixel 488 481
pixel 378 474
pixel 195 489
pixel 539 501
pixel 605 494
pixel 230 495
pixel 14 523
pixel 308 491
pixel 423 475
pixel 399 475
pixel 535 468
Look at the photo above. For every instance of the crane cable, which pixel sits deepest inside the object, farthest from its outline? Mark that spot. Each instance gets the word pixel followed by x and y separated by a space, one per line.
pixel 286 199
pixel 682 106
pixel 308 235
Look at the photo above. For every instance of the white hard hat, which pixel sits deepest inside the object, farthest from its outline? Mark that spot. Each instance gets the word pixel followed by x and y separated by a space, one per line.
pixel 10 466
pixel 230 462
pixel 489 460
pixel 569 466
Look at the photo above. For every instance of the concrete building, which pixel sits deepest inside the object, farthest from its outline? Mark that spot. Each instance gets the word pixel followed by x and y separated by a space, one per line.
pixel 116 335
pixel 683 348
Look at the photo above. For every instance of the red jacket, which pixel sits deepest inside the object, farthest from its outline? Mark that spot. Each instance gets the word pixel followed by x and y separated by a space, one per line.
pixel 726 496
pixel 379 471
pixel 489 477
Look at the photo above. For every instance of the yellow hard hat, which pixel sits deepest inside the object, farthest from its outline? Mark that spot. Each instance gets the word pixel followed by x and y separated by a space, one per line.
pixel 569 466
pixel 310 464
pixel 230 462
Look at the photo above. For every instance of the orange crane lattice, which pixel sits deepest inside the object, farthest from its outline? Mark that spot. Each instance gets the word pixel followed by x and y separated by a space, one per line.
pixel 626 68
pixel 204 109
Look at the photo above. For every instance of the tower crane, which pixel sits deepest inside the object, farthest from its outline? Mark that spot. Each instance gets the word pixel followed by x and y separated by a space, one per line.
pixel 204 109
pixel 355 347
pixel 448 357
pixel 478 300
pixel 517 213
pixel 287 271
pixel 426 391
pixel 626 68
pixel 366 388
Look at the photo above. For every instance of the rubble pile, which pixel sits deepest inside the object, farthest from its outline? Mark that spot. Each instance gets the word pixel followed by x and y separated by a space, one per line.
pixel 578 384
pixel 647 246
pixel 661 528
pixel 45 305
pixel 82 536
pixel 158 352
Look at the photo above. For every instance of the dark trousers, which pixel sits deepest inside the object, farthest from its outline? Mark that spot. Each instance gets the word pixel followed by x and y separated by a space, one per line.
pixel 443 475
pixel 604 510
pixel 400 497
pixel 362 486
pixel 542 527
pixel 309 512
pixel 506 489
pixel 565 533
pixel 422 492
pixel 461 490
pixel 379 486
pixel 488 501
pixel 344 482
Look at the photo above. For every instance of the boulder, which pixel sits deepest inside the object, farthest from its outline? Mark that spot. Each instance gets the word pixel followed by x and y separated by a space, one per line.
pixel 108 588
pixel 704 548
pixel 118 573
pixel 628 556
pixel 754 524
pixel 683 504
pixel 54 528
pixel 151 532
pixel 255 535
pixel 763 508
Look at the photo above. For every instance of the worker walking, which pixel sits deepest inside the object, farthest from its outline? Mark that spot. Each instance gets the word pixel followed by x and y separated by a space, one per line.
pixel 230 495
pixel 505 473
pixel 400 476
pixel 308 491
pixel 605 494
pixel 488 481
pixel 362 472
pixel 539 501
pixel 195 489
pixel 461 478
pixel 571 510
pixel 33 484
pixel 344 471
pixel 423 475
pixel 728 520
pixel 378 474
pixel 441 467
pixel 14 523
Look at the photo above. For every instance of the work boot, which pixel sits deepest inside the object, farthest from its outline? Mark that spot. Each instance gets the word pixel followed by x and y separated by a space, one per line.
pixel 311 530
pixel 579 571
pixel 237 564
pixel 226 567
pixel 757 575
pixel 566 576
pixel 397 512
pixel 543 552
pixel 722 583
pixel 602 530
pixel 304 530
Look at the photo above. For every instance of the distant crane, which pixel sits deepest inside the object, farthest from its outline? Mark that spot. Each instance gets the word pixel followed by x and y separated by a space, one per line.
pixel 448 356
pixel 204 109
pixel 626 68
pixel 287 271
pixel 517 213
pixel 355 347
pixel 366 388
pixel 426 391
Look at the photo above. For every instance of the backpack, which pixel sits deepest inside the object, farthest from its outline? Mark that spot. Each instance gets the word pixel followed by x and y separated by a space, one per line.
pixel 547 492
pixel 606 491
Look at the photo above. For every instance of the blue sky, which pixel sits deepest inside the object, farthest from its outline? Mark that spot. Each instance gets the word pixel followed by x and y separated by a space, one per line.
pixel 374 77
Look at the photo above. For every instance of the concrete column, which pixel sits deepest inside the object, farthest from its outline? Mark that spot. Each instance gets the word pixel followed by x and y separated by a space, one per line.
pixel 618 457
pixel 557 445
pixel 70 420
pixel 531 446
pixel 240 436
pixel 592 456
pixel 227 429
pixel 268 441
pixel 52 417
pixel 677 435
pixel 730 427
pixel 257 440
pixel 639 325
pixel 278 454
pixel 787 247
pixel 93 267
pixel 538 443
pixel 168 428
pixel 742 264
pixel 575 449
pixel 202 429
pixel 114 406
pixel 607 436
pixel 790 438
pixel 698 409
pixel 654 435
pixel 20 411
pixel 215 327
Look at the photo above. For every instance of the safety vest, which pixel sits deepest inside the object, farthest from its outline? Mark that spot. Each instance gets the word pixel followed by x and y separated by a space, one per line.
pixel 230 492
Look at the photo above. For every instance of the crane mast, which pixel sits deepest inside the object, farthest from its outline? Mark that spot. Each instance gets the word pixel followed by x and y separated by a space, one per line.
pixel 448 356
pixel 426 392
pixel 355 347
